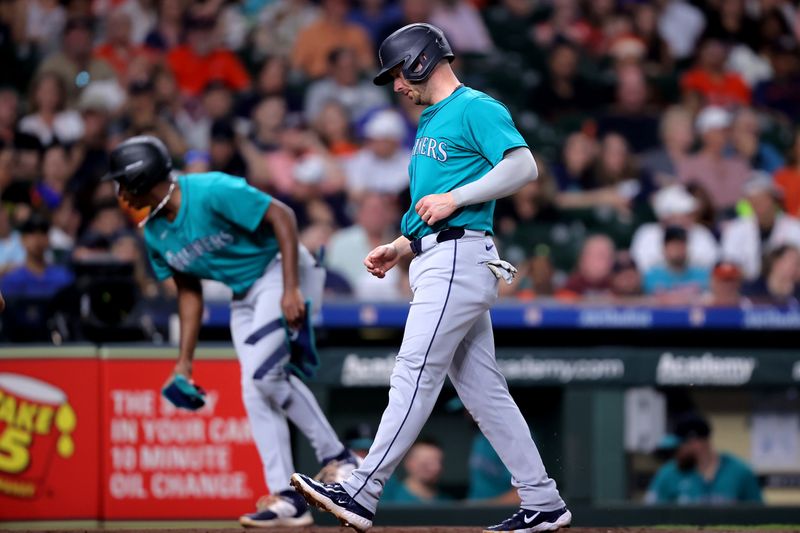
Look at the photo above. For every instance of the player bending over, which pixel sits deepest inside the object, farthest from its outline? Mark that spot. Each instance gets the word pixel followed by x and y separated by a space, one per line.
pixel 467 154
pixel 216 226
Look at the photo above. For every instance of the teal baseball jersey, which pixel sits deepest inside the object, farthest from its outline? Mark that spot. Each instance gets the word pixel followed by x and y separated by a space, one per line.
pixel 733 482
pixel 458 140
pixel 217 233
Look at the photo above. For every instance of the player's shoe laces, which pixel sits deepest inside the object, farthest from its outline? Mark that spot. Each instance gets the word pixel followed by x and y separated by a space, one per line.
pixel 337 469
pixel 285 509
pixel 527 521
pixel 332 498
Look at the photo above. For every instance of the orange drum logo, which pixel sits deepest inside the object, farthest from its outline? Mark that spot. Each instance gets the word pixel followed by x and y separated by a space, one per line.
pixel 36 422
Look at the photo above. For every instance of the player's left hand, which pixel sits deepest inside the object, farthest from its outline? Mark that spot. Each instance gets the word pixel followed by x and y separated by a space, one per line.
pixel 294 307
pixel 435 207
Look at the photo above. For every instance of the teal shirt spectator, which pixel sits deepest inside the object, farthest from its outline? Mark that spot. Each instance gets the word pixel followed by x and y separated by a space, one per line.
pixel 396 492
pixel 661 279
pixel 733 482
pixel 217 233
pixel 488 476
pixel 459 139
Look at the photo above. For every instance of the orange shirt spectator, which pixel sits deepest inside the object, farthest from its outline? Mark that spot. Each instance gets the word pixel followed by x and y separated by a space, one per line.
pixel 315 43
pixel 199 61
pixel 788 179
pixel 119 51
pixel 724 90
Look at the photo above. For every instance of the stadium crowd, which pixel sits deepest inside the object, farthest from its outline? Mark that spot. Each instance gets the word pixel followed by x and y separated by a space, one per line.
pixel 665 134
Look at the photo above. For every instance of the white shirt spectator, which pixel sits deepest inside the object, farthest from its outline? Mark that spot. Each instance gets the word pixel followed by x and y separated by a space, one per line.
pixel 357 99
pixel 741 241
pixel 66 128
pixel 44 24
pixel 382 165
pixel 345 255
pixel 680 25
pixel 647 246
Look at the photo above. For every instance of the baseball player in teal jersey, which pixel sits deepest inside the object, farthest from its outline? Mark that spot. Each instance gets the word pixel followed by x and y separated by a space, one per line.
pixel 216 226
pixel 467 154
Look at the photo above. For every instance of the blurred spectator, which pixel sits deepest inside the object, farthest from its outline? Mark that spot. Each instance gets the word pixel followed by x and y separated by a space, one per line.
pixel 536 277
pixel 382 165
pixel 674 206
pixel 563 92
pixel 50 120
pixel 27 159
pixel 316 41
pixel 55 175
pixel 342 85
pixel 375 16
pixel 746 143
pixel 279 24
pixel 729 23
pixel 626 281
pixel 119 49
pixel 593 275
pixel 44 22
pixel 680 24
pixel 725 287
pixel 375 219
pixel 271 80
pixel 128 249
pixel 423 466
pixel 463 26
pixel 567 24
pixel 9 113
pixel 781 94
pixel 35 278
pixel 74 63
pixel 630 115
pixel 359 438
pixel 721 175
pixel 709 84
pixel 489 479
pixel 64 229
pixel 200 60
pixel 676 280
pixel 656 59
pixel 788 178
pixel 411 12
pixel 224 155
pixel 166 34
pixel 778 283
pixel 143 14
pixel 699 474
pixel 334 129
pixel 142 117
pixel 509 23
pixel 762 228
pixel 12 252
pixel 677 138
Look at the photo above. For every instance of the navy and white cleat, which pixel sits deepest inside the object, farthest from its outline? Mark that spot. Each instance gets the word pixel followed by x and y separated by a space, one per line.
pixel 527 521
pixel 285 509
pixel 332 498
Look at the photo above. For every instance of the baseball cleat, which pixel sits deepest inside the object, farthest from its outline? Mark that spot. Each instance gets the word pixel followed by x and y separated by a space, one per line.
pixel 285 509
pixel 332 498
pixel 527 521
pixel 337 469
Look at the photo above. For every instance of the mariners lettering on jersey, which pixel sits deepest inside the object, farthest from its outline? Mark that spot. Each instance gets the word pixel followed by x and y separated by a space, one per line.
pixel 430 147
pixel 181 259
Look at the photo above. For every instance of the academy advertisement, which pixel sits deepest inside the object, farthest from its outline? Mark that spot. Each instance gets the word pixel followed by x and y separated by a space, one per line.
pixel 170 463
pixel 49 438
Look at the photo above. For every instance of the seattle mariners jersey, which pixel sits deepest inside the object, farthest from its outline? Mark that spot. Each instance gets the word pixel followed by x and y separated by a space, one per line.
pixel 217 233
pixel 459 139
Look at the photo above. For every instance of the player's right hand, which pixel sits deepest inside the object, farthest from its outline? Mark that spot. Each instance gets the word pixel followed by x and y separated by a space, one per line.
pixel 380 260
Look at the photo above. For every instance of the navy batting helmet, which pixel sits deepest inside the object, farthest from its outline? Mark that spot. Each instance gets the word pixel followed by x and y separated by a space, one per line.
pixel 406 48
pixel 139 163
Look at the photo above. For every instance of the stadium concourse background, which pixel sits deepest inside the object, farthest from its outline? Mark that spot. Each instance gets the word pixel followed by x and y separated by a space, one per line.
pixel 658 250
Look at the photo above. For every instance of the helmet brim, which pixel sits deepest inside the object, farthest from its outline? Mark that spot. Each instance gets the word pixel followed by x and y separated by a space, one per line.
pixel 384 77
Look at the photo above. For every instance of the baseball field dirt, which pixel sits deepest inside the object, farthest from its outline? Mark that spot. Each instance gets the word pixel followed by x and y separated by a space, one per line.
pixel 444 529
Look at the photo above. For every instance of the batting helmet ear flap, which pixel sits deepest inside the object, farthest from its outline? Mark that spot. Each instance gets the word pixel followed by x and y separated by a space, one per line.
pixel 417 48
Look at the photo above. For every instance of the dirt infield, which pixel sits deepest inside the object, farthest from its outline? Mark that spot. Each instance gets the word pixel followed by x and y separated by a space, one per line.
pixel 431 529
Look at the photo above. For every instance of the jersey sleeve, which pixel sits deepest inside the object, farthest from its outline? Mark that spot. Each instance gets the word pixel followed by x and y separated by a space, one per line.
pixel 238 202
pixel 489 129
pixel 161 269
pixel 658 491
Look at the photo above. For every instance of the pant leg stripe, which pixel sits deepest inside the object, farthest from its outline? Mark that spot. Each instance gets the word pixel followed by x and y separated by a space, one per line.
pixel 263 331
pixel 279 353
pixel 419 376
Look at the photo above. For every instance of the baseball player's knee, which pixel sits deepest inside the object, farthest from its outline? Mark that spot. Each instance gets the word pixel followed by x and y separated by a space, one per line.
pixel 274 388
